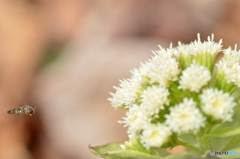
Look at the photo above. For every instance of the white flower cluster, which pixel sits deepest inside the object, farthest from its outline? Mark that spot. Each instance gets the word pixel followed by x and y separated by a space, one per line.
pixel 153 99
pixel 155 135
pixel 217 104
pixel 194 77
pixel 201 48
pixel 126 94
pixel 207 47
pixel 163 68
pixel 174 92
pixel 185 117
pixel 229 66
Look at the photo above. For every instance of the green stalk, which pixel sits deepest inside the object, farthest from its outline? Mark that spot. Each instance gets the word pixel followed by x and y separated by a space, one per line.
pixel 185 144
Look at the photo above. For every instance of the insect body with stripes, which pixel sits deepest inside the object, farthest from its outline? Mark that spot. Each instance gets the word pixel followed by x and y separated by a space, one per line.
pixel 24 110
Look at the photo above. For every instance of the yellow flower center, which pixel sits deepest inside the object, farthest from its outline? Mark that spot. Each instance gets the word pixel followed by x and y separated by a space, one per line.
pixel 218 104
pixel 184 116
pixel 154 135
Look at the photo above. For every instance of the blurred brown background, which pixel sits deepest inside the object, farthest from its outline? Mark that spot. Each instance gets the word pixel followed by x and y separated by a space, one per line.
pixel 64 56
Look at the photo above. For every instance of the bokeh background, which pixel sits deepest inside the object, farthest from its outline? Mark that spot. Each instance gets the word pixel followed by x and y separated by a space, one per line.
pixel 64 56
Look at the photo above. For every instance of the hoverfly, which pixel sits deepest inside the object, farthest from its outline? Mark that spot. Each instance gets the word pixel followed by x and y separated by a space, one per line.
pixel 24 110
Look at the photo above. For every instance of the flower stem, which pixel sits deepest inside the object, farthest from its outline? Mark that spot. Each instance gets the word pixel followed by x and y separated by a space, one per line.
pixel 190 147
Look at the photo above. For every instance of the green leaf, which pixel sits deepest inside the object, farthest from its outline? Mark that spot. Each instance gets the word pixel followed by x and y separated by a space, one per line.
pixel 114 151
pixel 183 155
pixel 218 126
pixel 107 147
pixel 158 152
pixel 218 144
pixel 128 154
pixel 189 138
pixel 224 132
pixel 234 143
pixel 135 144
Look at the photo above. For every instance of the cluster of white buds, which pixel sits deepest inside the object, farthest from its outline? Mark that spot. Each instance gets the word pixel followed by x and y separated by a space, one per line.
pixel 178 91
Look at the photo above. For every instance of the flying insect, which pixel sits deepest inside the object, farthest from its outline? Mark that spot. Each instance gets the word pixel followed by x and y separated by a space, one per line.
pixel 24 110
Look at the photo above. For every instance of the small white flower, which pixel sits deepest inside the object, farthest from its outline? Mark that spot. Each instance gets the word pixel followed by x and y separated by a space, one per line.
pixel 184 50
pixel 155 135
pixel 231 71
pixel 194 77
pixel 154 99
pixel 203 53
pixel 229 66
pixel 198 47
pixel 142 70
pixel 136 118
pixel 123 146
pixel 217 104
pixel 163 69
pixel 185 117
pixel 232 56
pixel 173 52
pixel 126 94
pixel 206 47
